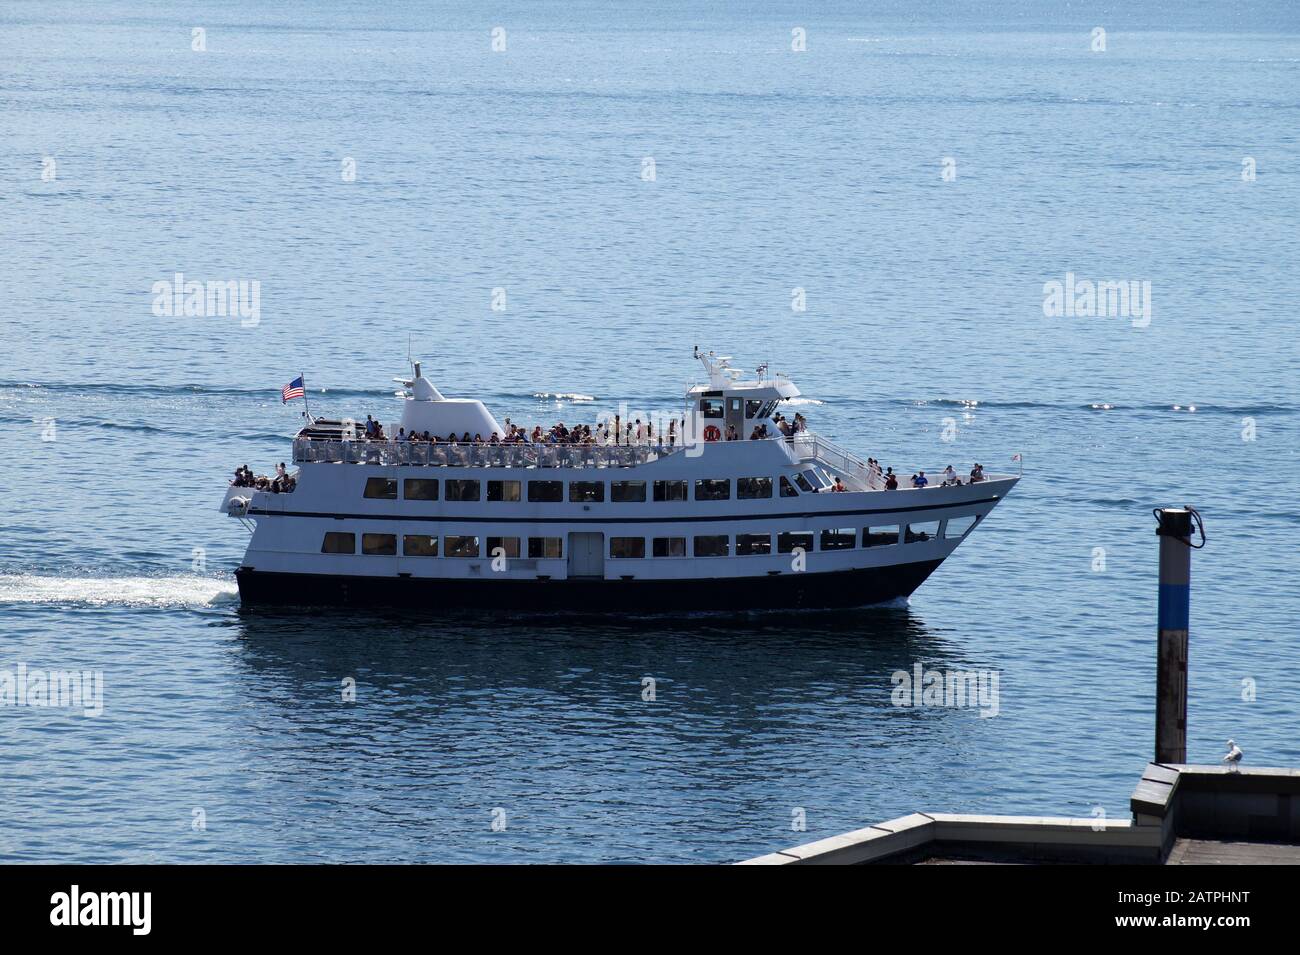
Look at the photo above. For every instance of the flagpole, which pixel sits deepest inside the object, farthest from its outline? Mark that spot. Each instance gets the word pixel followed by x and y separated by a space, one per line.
pixel 305 402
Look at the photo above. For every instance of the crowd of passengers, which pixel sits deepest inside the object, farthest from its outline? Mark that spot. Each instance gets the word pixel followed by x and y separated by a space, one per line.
pixel 620 433
pixel 282 483
pixel 889 480
pixel 606 433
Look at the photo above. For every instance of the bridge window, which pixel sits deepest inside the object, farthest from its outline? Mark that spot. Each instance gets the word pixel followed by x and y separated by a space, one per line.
pixel 752 408
pixel 670 490
pixel 787 489
pixel 460 546
pixel 787 541
pixel 420 489
pixel 503 491
pixel 627 492
pixel 586 492
pixel 880 536
pixel 750 489
pixel 713 489
pixel 338 542
pixel 753 544
pixel 545 547
pixel 385 489
pixel 670 546
pixel 458 490
pixel 545 492
pixel 419 545
pixel 379 545
pixel 712 546
pixel 801 481
pixel 712 408
pixel 508 544
pixel 627 547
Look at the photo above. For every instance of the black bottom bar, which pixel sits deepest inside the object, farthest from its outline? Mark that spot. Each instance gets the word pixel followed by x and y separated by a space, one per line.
pixel 787 591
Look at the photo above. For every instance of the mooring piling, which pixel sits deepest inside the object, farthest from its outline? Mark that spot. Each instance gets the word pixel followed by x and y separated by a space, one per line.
pixel 1174 527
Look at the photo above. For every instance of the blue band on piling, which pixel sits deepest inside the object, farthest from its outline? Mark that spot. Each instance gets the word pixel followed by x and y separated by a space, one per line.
pixel 1173 610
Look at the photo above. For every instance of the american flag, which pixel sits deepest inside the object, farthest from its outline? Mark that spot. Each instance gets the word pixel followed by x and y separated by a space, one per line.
pixel 293 389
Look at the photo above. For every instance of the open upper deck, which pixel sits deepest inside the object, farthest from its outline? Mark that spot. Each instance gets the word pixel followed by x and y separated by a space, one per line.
pixel 459 455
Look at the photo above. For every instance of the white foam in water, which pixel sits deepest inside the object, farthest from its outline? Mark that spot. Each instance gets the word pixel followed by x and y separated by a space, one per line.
pixel 189 591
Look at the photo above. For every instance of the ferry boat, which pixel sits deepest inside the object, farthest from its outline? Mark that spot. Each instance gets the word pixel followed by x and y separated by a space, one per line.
pixel 726 507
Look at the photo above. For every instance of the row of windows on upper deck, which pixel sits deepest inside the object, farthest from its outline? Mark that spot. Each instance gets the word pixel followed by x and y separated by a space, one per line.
pixel 583 492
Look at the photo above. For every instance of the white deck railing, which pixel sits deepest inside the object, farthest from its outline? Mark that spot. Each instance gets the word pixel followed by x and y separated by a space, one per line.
pixel 810 447
pixel 444 454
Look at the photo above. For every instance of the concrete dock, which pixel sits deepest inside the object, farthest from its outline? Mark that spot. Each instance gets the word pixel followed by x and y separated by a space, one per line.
pixel 1182 814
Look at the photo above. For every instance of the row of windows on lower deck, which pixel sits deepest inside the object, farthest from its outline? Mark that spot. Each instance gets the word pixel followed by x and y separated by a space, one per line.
pixel 584 492
pixel 703 545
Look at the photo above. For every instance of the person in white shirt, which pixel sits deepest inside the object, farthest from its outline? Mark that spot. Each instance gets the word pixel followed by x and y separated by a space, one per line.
pixel 950 476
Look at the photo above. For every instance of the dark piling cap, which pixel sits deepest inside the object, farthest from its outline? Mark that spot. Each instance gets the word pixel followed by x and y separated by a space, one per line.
pixel 1173 522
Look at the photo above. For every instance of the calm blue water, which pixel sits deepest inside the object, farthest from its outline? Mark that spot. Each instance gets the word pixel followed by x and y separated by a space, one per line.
pixel 522 170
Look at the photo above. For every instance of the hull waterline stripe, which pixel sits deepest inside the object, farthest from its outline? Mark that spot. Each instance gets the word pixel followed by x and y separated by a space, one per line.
pixel 683 519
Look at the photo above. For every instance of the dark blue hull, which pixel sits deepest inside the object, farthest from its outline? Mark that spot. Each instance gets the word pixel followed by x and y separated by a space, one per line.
pixel 815 591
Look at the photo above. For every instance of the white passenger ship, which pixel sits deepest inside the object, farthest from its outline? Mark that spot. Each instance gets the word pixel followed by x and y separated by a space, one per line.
pixel 682 522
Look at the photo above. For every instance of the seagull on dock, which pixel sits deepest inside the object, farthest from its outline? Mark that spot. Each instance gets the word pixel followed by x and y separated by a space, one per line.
pixel 1234 756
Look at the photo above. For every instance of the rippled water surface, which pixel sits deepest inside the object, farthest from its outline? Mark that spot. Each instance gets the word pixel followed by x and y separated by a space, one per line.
pixel 522 170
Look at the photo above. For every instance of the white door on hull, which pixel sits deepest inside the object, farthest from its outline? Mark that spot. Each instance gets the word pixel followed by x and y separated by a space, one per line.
pixel 586 555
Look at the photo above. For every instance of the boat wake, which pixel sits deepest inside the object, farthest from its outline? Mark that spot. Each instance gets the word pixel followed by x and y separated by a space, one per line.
pixel 161 592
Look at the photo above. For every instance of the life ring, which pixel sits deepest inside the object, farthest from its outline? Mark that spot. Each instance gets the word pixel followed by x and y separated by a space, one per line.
pixel 712 433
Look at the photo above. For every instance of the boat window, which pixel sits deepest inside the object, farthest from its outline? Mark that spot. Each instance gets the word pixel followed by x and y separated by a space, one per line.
pixel 384 489
pixel 787 489
pixel 551 547
pixel 545 492
pixel 503 491
pixel 959 526
pixel 751 544
pixel 627 547
pixel 712 408
pixel 510 546
pixel 787 541
pixel 586 491
pixel 460 490
pixel 670 547
pixel 419 545
pixel 924 531
pixel 880 536
pixel 748 489
pixel 713 489
pixel 460 546
pixel 798 479
pixel 380 545
pixel 752 408
pixel 817 480
pixel 626 492
pixel 420 489
pixel 338 542
pixel 670 490
pixel 712 546
pixel 839 539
